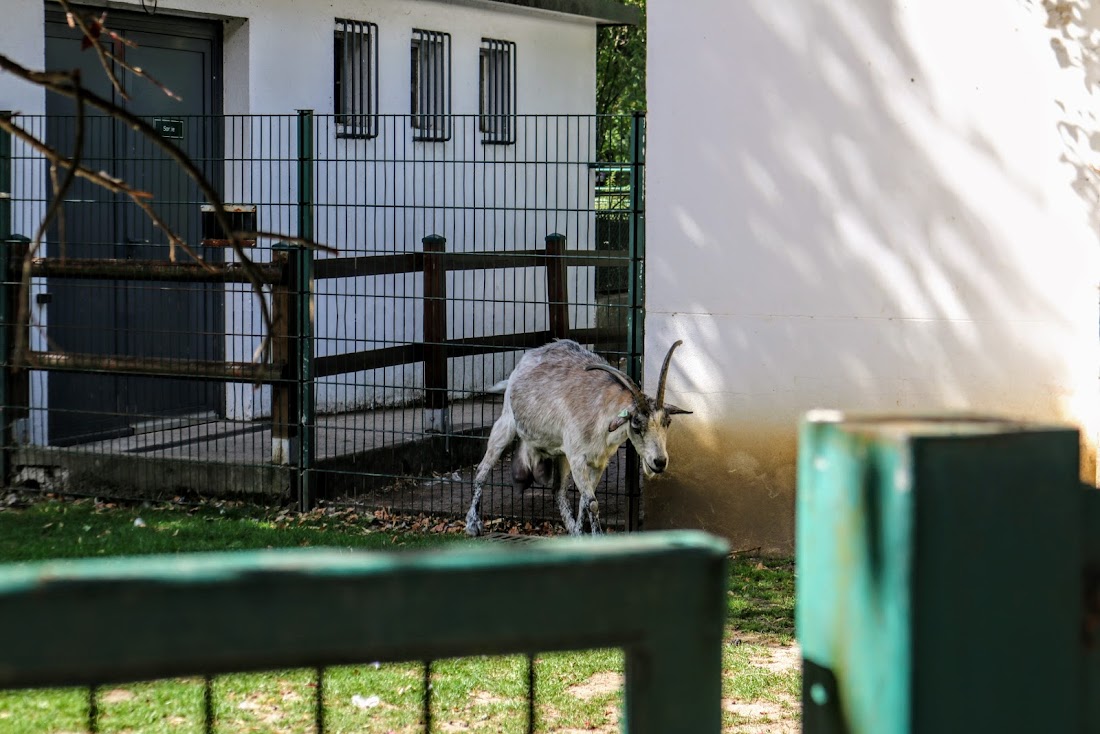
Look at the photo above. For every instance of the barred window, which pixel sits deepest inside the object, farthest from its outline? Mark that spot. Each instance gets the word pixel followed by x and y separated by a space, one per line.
pixel 355 96
pixel 498 91
pixel 431 85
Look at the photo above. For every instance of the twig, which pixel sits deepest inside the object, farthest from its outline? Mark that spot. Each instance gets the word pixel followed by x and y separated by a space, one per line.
pixel 99 178
pixel 91 39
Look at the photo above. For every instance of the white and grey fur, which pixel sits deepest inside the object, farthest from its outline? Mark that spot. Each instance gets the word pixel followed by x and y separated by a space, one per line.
pixel 572 411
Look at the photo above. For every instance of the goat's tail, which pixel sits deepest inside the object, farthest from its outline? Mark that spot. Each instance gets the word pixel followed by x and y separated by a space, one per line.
pixel 498 388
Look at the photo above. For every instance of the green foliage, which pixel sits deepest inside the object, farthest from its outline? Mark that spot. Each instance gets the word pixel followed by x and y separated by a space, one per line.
pixel 620 84
pixel 620 67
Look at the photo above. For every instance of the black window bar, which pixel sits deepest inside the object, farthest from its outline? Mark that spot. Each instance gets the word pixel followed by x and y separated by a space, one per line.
pixel 355 93
pixel 430 85
pixel 497 85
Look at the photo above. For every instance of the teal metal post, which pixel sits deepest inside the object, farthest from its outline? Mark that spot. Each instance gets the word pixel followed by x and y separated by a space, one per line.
pixel 307 408
pixel 635 315
pixel 940 576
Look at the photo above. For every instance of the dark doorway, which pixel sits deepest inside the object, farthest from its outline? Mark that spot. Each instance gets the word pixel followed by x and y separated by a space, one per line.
pixel 140 319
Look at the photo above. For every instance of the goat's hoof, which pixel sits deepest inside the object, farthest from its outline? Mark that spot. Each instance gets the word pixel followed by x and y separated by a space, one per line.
pixel 474 526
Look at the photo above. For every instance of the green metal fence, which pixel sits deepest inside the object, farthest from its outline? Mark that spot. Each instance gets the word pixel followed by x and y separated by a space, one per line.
pixel 452 257
pixel 660 597
pixel 947 577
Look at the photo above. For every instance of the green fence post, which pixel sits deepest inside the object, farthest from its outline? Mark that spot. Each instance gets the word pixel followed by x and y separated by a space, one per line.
pixel 9 290
pixel 635 315
pixel 939 576
pixel 1090 535
pixel 5 179
pixel 307 408
pixel 7 345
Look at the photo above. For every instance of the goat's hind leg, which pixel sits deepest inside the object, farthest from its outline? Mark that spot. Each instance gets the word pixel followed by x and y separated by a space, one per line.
pixel 504 430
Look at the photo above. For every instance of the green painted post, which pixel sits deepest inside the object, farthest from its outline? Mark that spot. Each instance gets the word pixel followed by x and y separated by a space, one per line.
pixel 5 180
pixel 7 300
pixel 939 576
pixel 659 596
pixel 1090 534
pixel 635 324
pixel 635 315
pixel 307 409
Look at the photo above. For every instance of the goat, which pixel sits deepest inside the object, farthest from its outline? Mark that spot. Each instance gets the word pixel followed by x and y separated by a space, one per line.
pixel 572 411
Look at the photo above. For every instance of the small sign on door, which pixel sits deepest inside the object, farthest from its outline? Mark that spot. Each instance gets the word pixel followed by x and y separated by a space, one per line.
pixel 169 128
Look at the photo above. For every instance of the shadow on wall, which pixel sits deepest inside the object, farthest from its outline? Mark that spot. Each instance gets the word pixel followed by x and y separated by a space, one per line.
pixel 1075 43
pixel 878 219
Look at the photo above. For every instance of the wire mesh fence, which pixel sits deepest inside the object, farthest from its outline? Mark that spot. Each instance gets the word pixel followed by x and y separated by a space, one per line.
pixel 140 372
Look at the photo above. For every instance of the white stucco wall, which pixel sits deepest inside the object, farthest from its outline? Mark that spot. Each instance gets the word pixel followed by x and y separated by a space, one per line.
pixel 866 205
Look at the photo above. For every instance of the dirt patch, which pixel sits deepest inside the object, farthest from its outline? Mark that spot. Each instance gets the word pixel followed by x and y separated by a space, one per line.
pixel 600 684
pixel 764 717
pixel 117 695
pixel 779 658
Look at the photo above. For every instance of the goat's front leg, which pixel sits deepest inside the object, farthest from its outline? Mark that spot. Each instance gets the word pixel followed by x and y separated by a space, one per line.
pixel 504 430
pixel 586 480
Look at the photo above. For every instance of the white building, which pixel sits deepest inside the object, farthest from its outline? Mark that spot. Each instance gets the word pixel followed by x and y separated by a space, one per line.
pixel 871 206
pixel 423 85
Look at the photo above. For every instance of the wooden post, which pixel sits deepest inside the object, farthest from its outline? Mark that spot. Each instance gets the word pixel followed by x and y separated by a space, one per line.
pixel 284 352
pixel 436 413
pixel 557 291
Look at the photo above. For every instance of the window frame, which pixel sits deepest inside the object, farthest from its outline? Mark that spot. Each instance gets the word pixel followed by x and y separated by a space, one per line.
pixel 430 98
pixel 497 93
pixel 361 95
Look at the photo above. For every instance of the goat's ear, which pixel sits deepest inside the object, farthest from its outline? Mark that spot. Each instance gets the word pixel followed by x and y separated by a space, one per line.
pixel 618 421
pixel 673 410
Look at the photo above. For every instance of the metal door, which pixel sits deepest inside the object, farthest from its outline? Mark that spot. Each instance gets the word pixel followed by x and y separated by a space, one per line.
pixel 135 319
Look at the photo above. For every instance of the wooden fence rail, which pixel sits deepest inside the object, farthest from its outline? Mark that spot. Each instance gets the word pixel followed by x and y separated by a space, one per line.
pixel 289 282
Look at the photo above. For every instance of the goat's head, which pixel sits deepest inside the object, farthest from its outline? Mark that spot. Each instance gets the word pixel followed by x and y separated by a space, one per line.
pixel 647 419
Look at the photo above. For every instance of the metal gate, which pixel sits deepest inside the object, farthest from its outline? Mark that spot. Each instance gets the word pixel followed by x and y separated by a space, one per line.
pixel 91 316
pixel 452 258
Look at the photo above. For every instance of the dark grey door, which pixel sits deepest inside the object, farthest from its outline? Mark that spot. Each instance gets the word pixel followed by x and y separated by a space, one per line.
pixel 138 319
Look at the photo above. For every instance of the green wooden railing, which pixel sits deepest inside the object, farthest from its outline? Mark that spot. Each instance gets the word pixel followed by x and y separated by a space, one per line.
pixel 948 577
pixel 658 596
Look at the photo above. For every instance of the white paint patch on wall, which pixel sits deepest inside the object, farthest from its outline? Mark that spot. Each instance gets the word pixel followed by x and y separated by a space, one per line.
pixel 905 201
pixel 22 38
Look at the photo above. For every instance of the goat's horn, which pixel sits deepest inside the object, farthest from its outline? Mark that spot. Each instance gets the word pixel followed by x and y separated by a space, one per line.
pixel 664 374
pixel 639 396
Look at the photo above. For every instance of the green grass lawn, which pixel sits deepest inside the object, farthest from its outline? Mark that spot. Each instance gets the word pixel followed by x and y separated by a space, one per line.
pixel 579 691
